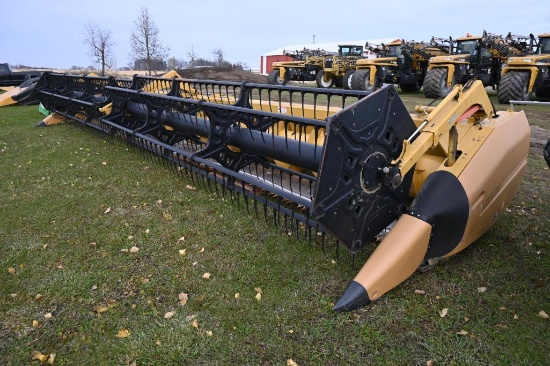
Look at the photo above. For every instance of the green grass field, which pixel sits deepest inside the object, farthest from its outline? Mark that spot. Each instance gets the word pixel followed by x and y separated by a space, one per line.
pixel 97 244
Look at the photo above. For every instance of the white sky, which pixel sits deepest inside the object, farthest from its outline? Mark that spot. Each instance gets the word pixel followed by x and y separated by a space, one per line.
pixel 50 33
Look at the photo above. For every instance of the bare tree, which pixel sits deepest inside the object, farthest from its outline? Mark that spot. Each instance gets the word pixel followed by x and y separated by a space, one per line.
pixel 174 63
pixel 219 56
pixel 192 57
pixel 100 45
pixel 145 41
pixel 241 65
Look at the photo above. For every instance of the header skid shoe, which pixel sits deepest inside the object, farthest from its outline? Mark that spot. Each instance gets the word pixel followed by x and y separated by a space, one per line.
pixel 358 193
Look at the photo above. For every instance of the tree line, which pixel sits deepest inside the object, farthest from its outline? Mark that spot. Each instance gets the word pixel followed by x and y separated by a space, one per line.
pixel 147 51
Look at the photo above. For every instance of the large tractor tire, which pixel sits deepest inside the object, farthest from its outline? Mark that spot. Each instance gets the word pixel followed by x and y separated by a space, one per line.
pixel 346 79
pixel 513 86
pixel 323 80
pixel 360 80
pixel 274 77
pixel 435 83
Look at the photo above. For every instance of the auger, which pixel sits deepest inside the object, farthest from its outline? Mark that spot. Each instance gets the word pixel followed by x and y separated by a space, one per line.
pixel 350 164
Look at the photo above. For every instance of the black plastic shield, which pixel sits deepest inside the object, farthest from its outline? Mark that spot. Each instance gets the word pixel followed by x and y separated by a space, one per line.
pixel 355 200
pixel 443 203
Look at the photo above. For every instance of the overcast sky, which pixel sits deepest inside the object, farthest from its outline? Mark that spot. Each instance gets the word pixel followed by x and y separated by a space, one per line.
pixel 50 33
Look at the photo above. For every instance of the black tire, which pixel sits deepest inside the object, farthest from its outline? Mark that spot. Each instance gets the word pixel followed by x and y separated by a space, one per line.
pixel 435 83
pixel 513 86
pixel 321 82
pixel 338 82
pixel 410 88
pixel 542 93
pixel 346 79
pixel 360 80
pixel 274 77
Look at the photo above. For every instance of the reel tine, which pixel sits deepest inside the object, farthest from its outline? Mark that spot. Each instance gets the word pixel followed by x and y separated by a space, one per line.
pixel 232 195
pixel 175 164
pixel 203 181
pixel 224 187
pixel 255 202
pixel 169 161
pixel 181 166
pixel 277 218
pixel 163 161
pixel 209 185
pixel 237 197
pixel 153 149
pixel 245 197
pixel 200 180
pixel 265 206
pixel 276 212
pixel 293 227
pixel 191 173
pixel 308 228
pixel 216 185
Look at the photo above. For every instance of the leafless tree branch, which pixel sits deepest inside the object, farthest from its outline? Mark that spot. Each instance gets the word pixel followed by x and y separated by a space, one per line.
pixel 100 45
pixel 145 41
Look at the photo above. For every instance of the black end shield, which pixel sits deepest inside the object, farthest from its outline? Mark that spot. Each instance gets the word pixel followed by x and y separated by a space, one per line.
pixel 358 194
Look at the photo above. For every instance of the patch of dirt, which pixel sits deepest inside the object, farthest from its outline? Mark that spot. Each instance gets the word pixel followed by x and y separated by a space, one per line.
pixel 539 136
pixel 214 73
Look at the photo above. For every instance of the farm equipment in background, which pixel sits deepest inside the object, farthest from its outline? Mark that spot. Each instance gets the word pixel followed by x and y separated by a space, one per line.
pixel 412 65
pixel 21 95
pixel 337 68
pixel 8 77
pixel 402 63
pixel 523 76
pixel 346 164
pixel 370 71
pixel 474 57
pixel 305 66
pixel 445 45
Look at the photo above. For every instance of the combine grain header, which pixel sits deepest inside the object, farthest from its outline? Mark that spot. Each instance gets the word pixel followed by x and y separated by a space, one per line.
pixel 350 164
